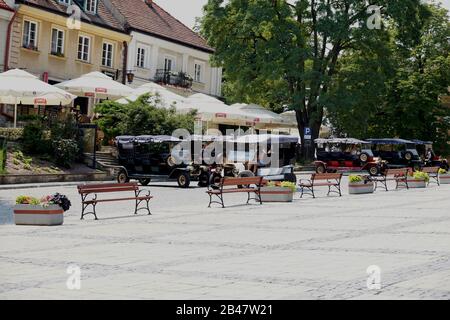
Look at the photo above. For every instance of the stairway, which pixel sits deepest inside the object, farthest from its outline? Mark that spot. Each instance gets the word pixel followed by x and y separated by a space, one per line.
pixel 104 161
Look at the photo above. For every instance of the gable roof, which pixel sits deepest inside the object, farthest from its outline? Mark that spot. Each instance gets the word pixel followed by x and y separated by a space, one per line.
pixel 103 18
pixel 3 5
pixel 155 21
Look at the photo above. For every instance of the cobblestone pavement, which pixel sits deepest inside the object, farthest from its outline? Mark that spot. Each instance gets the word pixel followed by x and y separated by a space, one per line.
pixel 309 249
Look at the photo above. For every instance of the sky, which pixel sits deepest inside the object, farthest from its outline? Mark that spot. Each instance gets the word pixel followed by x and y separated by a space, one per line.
pixel 187 10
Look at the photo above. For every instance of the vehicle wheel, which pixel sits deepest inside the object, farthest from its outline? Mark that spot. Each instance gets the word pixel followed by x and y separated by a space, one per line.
pixel 144 182
pixel 320 168
pixel 122 177
pixel 374 171
pixel 203 179
pixel 183 180
pixel 363 157
pixel 171 161
pixel 245 174
pixel 291 177
pixel 214 180
pixel 408 156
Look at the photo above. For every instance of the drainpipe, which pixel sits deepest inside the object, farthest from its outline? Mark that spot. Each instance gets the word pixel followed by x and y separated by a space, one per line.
pixel 8 41
pixel 125 61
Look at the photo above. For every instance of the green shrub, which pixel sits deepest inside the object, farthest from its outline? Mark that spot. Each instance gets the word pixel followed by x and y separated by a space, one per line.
pixel 355 178
pixel 65 152
pixel 289 185
pixel 27 200
pixel 442 171
pixel 27 167
pixel 11 134
pixel 34 138
pixel 3 150
pixel 418 175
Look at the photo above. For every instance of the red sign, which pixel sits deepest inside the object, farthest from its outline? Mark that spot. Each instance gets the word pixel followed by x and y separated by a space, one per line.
pixel 89 94
pixel 221 115
pixel 45 77
pixel 40 101
pixel 257 120
pixel 101 90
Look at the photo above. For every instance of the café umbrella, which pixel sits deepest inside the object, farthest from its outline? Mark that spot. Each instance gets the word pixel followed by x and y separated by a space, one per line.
pixel 96 85
pixel 20 87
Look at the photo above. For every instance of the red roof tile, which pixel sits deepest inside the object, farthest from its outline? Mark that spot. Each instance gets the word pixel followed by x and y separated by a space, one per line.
pixel 154 20
pixel 3 5
pixel 103 18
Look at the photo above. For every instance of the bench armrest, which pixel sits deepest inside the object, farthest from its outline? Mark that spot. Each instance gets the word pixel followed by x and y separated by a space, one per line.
pixel 301 181
pixel 138 193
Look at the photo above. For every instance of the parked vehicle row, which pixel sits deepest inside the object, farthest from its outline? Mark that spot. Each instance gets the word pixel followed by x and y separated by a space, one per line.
pixel 374 155
pixel 146 158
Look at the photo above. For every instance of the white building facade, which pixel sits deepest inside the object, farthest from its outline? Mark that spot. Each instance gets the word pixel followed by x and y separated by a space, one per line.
pixel 149 56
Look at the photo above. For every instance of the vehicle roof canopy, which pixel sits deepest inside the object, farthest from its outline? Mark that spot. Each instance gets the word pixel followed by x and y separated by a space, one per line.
pixel 341 141
pixel 389 141
pixel 421 142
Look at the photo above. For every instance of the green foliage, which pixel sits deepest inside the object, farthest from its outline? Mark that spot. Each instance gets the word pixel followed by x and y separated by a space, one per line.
pixel 355 178
pixel 141 117
pixel 11 134
pixel 3 150
pixel 418 175
pixel 289 185
pixel 442 171
pixel 27 200
pixel 393 88
pixel 287 53
pixel 33 138
pixel 65 152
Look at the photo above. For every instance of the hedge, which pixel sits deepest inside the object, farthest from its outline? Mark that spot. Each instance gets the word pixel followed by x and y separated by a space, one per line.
pixel 11 134
pixel 2 155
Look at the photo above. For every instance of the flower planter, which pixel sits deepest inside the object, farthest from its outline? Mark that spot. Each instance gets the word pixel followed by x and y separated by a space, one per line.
pixel 37 215
pixel 444 178
pixel 276 194
pixel 361 187
pixel 416 183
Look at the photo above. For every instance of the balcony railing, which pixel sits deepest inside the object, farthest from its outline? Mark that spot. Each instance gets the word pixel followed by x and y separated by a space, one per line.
pixel 180 79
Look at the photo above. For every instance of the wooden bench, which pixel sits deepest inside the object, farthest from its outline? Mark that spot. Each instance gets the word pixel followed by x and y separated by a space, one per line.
pixel 247 185
pixel 330 180
pixel 433 173
pixel 93 190
pixel 400 176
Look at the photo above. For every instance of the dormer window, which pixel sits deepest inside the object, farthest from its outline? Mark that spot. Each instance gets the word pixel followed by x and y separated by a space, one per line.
pixel 91 6
pixel 65 2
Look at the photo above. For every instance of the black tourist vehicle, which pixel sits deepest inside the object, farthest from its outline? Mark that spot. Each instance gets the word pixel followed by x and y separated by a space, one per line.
pixel 429 158
pixel 398 153
pixel 144 158
pixel 346 154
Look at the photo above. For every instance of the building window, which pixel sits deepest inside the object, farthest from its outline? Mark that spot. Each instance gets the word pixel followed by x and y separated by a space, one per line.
pixel 65 2
pixel 140 58
pixel 107 54
pixel 91 6
pixel 198 72
pixel 169 63
pixel 84 44
pixel 57 42
pixel 30 33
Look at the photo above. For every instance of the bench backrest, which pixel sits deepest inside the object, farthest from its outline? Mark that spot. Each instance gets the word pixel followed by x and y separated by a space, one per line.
pixel 397 172
pixel 326 176
pixel 107 187
pixel 242 181
pixel 430 169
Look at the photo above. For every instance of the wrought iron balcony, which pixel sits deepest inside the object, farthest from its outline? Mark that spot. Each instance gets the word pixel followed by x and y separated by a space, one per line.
pixel 180 79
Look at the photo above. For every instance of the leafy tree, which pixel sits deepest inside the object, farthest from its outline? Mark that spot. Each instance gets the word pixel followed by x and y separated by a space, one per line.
pixel 394 89
pixel 287 52
pixel 141 117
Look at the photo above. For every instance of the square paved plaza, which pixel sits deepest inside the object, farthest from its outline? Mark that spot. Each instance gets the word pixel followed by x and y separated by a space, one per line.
pixel 309 249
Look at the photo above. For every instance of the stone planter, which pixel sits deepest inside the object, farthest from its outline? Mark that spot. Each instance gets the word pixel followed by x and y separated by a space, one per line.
pixel 415 183
pixel 361 187
pixel 25 214
pixel 276 194
pixel 444 178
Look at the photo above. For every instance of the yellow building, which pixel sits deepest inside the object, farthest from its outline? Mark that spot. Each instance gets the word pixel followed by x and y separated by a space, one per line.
pixel 56 46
